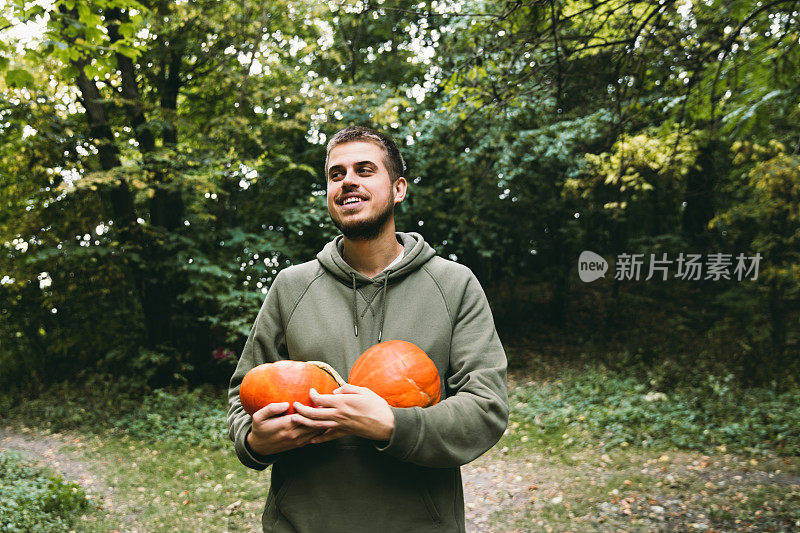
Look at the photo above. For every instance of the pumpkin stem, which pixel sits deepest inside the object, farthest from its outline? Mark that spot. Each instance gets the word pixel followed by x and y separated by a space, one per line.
pixel 330 370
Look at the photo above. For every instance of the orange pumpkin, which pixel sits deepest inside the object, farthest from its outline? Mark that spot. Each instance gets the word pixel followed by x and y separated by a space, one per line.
pixel 286 381
pixel 400 372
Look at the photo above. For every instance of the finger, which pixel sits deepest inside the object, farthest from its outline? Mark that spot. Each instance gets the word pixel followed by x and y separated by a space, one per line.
pixel 299 420
pixel 270 410
pixel 351 389
pixel 309 434
pixel 331 434
pixel 323 400
pixel 316 413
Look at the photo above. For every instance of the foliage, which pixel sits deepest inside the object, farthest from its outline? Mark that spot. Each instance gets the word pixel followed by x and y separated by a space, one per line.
pixel 767 219
pixel 186 418
pixel 592 406
pixel 92 405
pixel 179 416
pixel 160 163
pixel 32 500
pixel 609 410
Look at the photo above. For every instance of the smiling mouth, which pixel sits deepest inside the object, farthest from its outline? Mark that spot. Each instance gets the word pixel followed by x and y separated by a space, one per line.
pixel 352 201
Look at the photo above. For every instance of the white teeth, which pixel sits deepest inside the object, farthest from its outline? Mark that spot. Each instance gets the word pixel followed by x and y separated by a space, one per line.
pixel 351 200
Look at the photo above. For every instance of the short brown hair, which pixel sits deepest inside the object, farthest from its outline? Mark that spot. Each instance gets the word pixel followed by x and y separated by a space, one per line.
pixel 394 161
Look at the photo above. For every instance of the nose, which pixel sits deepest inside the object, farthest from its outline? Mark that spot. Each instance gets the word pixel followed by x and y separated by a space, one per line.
pixel 349 179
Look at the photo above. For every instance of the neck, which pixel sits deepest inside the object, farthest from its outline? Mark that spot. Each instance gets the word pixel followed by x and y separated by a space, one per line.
pixel 371 256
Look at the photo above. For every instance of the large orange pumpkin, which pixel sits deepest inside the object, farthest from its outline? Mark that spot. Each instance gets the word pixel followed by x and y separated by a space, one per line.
pixel 400 372
pixel 286 381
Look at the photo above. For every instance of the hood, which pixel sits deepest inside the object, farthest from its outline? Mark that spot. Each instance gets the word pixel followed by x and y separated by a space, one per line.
pixel 416 252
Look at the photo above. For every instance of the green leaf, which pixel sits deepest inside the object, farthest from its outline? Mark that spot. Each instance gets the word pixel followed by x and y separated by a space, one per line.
pixel 126 30
pixel 19 78
pixel 126 50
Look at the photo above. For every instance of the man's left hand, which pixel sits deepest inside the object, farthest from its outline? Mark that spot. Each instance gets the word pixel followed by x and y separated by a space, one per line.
pixel 350 410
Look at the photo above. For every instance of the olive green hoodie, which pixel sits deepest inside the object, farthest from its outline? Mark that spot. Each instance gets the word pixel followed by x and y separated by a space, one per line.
pixel 324 310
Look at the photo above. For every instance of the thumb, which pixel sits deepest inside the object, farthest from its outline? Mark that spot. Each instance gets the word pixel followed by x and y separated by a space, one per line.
pixel 270 410
pixel 348 388
pixel 321 400
pixel 313 394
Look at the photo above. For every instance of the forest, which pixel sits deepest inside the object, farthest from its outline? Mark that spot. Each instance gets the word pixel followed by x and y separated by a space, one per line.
pixel 162 161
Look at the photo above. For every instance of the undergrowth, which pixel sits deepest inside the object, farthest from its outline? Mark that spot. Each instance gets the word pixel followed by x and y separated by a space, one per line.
pixel 595 407
pixel 187 417
pixel 32 500
pixel 590 406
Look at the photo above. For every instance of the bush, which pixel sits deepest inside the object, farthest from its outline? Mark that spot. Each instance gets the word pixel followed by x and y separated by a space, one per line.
pixel 31 500
pixel 92 406
pixel 193 417
pixel 612 410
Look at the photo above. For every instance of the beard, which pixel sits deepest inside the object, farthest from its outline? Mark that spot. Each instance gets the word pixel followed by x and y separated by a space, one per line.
pixel 364 230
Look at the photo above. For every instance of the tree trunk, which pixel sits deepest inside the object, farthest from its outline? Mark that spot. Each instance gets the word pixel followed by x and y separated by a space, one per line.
pixel 120 196
pixel 166 214
pixel 699 197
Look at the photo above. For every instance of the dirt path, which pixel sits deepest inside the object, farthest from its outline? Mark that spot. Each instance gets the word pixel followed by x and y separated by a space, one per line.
pixel 490 485
pixel 631 490
pixel 531 489
pixel 481 478
pixel 45 449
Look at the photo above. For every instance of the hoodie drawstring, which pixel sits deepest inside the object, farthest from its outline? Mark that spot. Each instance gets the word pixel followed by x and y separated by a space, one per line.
pixel 355 302
pixel 383 313
pixel 355 305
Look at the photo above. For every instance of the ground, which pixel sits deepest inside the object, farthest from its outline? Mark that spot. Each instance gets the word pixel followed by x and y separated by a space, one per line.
pixel 516 486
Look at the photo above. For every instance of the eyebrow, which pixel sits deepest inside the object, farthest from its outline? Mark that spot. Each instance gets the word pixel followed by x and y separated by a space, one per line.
pixel 339 167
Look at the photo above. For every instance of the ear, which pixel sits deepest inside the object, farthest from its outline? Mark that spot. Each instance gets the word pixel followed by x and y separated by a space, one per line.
pixel 400 186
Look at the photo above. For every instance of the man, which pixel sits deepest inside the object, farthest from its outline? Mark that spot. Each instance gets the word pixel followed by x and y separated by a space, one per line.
pixel 353 463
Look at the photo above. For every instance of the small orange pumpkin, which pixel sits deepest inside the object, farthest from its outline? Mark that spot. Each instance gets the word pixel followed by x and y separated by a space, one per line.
pixel 400 372
pixel 286 381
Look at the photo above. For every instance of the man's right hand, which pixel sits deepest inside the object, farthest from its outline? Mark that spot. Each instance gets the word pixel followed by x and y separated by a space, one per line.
pixel 275 432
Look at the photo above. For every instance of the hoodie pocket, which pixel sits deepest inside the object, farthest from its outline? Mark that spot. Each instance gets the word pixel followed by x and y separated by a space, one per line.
pixel 339 488
pixel 281 493
pixel 271 509
pixel 427 499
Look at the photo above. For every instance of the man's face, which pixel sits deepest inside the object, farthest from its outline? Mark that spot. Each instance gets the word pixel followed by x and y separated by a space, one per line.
pixel 361 195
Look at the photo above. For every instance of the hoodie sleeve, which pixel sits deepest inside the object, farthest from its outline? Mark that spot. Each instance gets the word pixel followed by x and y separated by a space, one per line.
pixel 265 344
pixel 473 417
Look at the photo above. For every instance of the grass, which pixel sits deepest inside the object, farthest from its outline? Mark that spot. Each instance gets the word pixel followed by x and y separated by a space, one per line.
pixel 594 408
pixel 587 451
pixel 631 489
pixel 165 458
pixel 194 417
pixel 167 485
pixel 611 452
